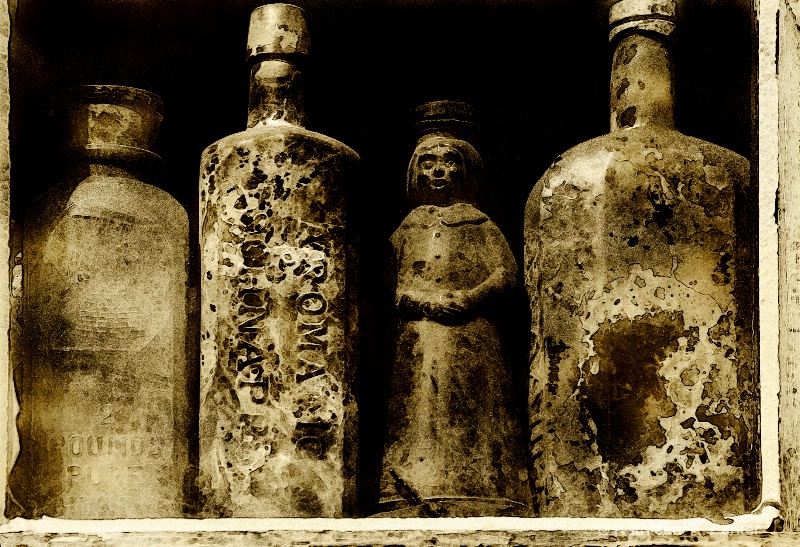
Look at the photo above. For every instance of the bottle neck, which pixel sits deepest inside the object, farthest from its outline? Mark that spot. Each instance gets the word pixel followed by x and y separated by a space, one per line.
pixel 276 94
pixel 80 168
pixel 642 84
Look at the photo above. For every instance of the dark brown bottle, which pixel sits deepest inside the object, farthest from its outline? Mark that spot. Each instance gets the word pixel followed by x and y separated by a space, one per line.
pixel 278 324
pixel 103 421
pixel 640 265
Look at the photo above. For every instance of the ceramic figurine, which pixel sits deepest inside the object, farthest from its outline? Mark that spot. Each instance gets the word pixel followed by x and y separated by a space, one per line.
pixel 454 445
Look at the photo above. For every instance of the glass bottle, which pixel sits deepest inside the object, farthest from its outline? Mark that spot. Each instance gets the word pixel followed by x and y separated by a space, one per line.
pixel 640 266
pixel 278 417
pixel 103 420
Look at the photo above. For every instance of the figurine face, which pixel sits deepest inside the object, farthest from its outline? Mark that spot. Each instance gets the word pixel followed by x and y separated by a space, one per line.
pixel 439 175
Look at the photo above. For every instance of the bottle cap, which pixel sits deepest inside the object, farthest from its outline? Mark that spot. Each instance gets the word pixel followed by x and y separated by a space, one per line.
pixel 108 121
pixel 277 29
pixel 454 117
pixel 651 15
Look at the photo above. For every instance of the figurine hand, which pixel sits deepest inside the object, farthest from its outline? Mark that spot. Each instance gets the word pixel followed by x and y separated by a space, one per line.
pixel 450 305
pixel 438 306
pixel 411 305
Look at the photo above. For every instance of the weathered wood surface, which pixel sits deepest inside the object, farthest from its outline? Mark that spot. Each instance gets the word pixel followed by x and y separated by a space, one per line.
pixel 789 244
pixel 6 389
pixel 402 538
pixel 765 164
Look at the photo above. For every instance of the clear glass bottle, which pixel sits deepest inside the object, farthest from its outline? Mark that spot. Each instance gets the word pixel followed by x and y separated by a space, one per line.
pixel 103 420
pixel 640 266
pixel 278 418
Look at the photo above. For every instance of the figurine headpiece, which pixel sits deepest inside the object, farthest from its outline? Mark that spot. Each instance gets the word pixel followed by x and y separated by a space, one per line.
pixel 450 124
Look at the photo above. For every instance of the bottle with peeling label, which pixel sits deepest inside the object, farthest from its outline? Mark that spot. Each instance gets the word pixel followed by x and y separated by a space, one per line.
pixel 277 416
pixel 103 419
pixel 640 266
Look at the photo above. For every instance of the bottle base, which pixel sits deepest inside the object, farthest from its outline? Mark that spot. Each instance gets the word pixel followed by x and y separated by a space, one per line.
pixel 451 507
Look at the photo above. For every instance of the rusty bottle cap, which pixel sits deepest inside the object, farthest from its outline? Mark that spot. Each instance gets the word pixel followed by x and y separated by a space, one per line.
pixel 277 30
pixel 650 15
pixel 108 122
pixel 455 118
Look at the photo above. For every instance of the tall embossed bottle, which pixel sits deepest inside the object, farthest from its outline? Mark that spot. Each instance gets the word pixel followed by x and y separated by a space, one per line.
pixel 640 266
pixel 277 414
pixel 103 421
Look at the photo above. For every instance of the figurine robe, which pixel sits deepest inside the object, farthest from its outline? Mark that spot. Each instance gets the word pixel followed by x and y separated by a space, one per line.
pixel 451 431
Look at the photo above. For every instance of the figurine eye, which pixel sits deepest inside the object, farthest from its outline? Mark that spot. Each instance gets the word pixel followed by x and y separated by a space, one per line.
pixel 450 160
pixel 427 161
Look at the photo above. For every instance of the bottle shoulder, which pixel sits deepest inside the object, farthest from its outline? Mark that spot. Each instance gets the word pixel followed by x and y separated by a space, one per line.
pixel 280 133
pixel 129 196
pixel 111 191
pixel 643 149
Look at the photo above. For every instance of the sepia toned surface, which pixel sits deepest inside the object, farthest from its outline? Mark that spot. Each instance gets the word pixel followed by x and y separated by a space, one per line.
pixel 454 443
pixel 639 263
pixel 788 125
pixel 103 411
pixel 277 414
pixel 8 409
pixel 383 537
pixel 638 408
pixel 420 538
pixel 351 109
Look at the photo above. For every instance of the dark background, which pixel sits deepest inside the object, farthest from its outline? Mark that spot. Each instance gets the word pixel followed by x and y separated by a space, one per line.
pixel 536 72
